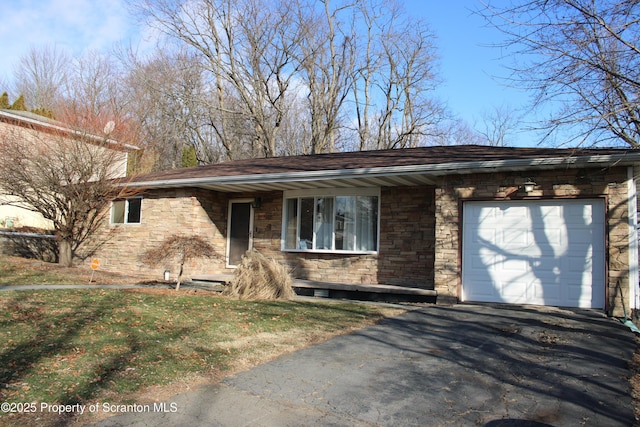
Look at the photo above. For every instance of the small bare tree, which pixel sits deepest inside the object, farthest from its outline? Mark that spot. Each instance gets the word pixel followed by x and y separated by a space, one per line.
pixel 67 176
pixel 181 248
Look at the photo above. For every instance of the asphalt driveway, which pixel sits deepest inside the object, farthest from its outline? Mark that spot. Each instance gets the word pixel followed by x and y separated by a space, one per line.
pixel 464 365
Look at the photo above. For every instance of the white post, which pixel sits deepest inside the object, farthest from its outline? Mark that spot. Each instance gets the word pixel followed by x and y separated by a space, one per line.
pixel 634 292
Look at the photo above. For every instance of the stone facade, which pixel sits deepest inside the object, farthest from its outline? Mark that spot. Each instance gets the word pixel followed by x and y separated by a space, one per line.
pixel 610 184
pixel 406 237
pixel 420 236
pixel 188 211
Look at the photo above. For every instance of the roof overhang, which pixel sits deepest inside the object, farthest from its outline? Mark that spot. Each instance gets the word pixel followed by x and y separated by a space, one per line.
pixel 412 175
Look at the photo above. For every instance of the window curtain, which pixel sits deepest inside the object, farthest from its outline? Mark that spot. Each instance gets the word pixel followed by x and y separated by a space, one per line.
pixel 324 223
pixel 346 223
pixel 306 223
pixel 291 224
pixel 367 223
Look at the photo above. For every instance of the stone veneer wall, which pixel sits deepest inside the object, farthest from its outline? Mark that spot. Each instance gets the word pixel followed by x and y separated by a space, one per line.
pixel 322 267
pixel 164 212
pixel 406 242
pixel 453 190
pixel 407 227
pixel 407 236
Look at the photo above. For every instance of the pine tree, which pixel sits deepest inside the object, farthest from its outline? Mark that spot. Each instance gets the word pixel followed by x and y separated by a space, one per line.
pixel 19 104
pixel 43 112
pixel 189 157
pixel 4 101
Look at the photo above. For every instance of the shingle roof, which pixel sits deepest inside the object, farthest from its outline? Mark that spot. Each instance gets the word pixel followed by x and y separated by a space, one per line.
pixel 427 161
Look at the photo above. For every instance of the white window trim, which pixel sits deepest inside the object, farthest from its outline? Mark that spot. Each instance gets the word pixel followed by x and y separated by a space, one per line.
pixel 126 212
pixel 328 192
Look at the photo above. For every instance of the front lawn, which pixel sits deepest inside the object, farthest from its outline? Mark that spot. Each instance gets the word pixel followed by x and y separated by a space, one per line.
pixel 136 346
pixel 23 271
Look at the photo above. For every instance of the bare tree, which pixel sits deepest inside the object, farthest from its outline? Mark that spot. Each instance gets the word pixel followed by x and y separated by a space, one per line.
pixel 92 93
pixel 280 77
pixel 172 103
pixel 245 48
pixel 65 175
pixel 456 132
pixel 584 60
pixel 497 125
pixel 326 58
pixel 41 75
pixel 394 79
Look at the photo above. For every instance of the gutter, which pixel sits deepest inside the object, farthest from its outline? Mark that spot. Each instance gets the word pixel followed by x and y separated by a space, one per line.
pixel 428 169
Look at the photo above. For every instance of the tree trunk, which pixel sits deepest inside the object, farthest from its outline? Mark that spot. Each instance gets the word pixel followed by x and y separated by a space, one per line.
pixel 179 280
pixel 65 254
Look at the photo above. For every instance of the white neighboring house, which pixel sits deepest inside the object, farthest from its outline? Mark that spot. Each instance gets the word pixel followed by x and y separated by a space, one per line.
pixel 33 128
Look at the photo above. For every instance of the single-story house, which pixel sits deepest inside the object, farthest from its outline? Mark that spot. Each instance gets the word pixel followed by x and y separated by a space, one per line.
pixel 471 223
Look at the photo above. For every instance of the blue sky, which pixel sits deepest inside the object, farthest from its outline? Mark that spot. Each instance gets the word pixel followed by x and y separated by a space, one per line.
pixel 473 72
pixel 468 68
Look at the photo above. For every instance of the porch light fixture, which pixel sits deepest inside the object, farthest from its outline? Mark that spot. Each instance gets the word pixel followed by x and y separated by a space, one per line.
pixel 257 202
pixel 528 185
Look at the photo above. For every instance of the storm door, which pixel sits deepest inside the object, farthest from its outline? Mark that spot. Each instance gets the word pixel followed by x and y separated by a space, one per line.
pixel 239 235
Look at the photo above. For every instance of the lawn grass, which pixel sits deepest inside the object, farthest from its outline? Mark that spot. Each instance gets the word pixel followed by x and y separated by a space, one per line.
pixel 96 345
pixel 22 271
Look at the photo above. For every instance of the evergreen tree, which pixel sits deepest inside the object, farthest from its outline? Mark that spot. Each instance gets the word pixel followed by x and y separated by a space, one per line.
pixel 189 158
pixel 4 101
pixel 43 112
pixel 19 104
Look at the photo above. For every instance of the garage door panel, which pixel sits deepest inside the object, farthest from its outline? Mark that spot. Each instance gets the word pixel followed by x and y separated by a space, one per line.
pixel 514 237
pixel 486 294
pixel 516 266
pixel 547 295
pixel 544 213
pixel 534 252
pixel 488 234
pixel 586 213
pixel 578 293
pixel 580 239
pixel 577 264
pixel 512 290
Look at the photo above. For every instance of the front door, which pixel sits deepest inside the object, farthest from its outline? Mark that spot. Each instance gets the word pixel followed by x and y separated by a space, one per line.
pixel 239 235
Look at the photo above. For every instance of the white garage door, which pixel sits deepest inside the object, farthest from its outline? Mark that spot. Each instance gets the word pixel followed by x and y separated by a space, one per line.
pixel 534 252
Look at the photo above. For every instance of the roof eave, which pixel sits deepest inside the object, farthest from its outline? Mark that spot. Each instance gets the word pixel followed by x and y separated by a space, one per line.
pixel 427 172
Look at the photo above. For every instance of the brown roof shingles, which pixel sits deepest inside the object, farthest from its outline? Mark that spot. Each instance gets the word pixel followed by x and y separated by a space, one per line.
pixel 371 159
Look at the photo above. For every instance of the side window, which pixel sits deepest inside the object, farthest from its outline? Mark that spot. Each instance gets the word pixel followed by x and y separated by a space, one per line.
pixel 127 211
pixel 117 211
pixel 133 211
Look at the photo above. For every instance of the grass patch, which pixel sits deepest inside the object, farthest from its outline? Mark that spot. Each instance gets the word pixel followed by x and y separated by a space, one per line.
pixel 96 345
pixel 22 271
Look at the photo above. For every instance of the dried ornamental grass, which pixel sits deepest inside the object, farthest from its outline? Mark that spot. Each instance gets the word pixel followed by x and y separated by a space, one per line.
pixel 258 277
